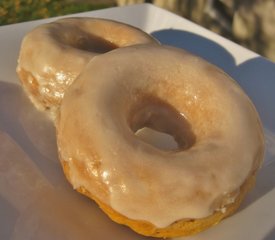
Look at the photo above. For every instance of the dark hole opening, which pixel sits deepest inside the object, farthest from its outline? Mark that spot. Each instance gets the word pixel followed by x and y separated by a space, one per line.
pixel 159 124
pixel 75 37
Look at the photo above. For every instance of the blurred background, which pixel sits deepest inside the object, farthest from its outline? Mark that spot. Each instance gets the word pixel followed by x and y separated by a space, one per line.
pixel 250 23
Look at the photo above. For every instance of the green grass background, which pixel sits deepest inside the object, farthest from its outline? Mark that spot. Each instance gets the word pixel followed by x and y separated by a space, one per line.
pixel 14 11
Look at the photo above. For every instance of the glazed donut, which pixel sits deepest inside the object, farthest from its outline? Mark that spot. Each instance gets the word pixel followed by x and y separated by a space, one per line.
pixel 53 54
pixel 156 192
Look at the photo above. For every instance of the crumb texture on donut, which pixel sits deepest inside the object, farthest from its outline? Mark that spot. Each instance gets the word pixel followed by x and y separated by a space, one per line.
pixel 155 192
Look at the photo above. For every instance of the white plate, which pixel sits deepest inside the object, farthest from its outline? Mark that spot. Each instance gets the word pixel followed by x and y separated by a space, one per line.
pixel 36 202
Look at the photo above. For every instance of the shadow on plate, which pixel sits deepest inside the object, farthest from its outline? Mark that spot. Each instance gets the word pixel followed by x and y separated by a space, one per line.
pixel 270 235
pixel 28 127
pixel 37 200
pixel 11 214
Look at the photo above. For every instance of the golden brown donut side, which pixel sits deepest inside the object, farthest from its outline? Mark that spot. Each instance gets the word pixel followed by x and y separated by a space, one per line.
pixel 179 228
pixel 31 87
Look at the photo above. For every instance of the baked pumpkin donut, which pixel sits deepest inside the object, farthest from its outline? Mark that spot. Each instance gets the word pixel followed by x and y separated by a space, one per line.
pixel 155 192
pixel 53 54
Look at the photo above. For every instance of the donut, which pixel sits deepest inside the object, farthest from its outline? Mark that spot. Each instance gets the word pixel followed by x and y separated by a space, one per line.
pixel 53 54
pixel 156 192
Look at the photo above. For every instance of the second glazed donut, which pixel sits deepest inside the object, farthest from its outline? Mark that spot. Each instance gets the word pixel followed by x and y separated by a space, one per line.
pixel 53 54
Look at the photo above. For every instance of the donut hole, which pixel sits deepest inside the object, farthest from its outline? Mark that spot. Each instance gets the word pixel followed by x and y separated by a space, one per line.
pixel 159 124
pixel 157 139
pixel 76 38
pixel 92 43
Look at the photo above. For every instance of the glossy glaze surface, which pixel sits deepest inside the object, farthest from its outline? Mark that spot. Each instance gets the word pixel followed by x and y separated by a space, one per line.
pixel 214 119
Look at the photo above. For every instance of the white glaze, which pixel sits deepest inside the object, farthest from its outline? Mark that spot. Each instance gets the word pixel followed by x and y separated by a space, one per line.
pixel 136 179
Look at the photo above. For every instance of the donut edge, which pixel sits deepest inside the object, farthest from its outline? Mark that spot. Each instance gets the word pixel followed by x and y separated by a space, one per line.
pixel 177 229
pixel 31 88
